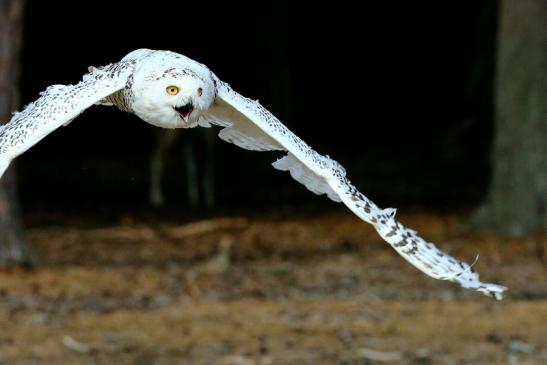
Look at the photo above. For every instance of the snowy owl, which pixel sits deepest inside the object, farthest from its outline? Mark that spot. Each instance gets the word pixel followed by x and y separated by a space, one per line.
pixel 169 90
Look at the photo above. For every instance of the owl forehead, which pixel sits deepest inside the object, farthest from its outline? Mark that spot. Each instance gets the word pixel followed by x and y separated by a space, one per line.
pixel 174 73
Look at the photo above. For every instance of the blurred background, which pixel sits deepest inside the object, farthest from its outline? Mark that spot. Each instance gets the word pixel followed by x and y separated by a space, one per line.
pixel 390 92
pixel 123 243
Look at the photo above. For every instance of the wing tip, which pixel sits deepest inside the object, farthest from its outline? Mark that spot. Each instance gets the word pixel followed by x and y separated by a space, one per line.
pixel 493 290
pixel 4 164
pixel 489 289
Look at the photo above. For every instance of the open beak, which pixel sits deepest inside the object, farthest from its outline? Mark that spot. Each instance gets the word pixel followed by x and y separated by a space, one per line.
pixel 185 111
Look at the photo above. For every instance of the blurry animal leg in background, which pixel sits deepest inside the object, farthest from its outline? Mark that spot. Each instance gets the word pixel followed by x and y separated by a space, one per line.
pixel 192 177
pixel 209 191
pixel 165 138
pixel 200 172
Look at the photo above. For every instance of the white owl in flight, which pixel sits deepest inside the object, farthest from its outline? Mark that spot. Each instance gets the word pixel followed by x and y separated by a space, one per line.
pixel 169 90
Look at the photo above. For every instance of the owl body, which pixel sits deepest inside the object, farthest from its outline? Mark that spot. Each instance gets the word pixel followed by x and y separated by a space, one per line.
pixel 169 90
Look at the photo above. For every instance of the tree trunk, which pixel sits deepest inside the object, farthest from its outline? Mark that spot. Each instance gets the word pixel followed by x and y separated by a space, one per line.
pixel 13 247
pixel 517 201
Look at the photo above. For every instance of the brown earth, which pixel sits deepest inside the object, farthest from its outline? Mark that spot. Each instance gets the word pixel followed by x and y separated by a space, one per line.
pixel 316 290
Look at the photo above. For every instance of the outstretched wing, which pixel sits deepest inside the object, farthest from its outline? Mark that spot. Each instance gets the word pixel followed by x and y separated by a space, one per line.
pixel 247 124
pixel 57 106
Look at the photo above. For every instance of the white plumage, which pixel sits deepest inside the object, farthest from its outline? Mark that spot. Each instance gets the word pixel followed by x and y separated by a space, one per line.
pixel 169 90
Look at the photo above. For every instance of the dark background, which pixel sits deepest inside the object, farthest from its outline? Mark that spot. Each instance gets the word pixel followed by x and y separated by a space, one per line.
pixel 400 93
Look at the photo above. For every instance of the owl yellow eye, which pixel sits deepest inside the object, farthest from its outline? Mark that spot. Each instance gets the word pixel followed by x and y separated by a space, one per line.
pixel 172 90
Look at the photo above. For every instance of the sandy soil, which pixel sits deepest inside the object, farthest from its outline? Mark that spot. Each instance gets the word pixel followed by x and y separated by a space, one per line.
pixel 315 290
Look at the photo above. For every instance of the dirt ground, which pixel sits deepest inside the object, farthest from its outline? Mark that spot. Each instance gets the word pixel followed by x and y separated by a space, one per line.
pixel 269 290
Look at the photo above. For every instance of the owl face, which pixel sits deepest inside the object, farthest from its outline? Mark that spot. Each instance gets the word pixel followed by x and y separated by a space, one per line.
pixel 173 96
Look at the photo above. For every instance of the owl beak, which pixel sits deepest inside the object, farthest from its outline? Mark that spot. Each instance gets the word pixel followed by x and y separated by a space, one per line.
pixel 185 111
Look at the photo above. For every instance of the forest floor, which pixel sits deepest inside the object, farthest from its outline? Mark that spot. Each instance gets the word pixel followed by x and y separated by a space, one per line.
pixel 267 290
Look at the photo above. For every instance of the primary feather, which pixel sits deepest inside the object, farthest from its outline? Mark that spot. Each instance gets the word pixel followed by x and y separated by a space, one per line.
pixel 138 83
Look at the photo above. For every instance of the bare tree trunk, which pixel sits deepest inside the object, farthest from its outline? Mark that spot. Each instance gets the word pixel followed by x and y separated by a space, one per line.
pixel 517 201
pixel 13 247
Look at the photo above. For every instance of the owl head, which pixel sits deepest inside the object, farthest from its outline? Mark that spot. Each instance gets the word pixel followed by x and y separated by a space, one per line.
pixel 169 90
